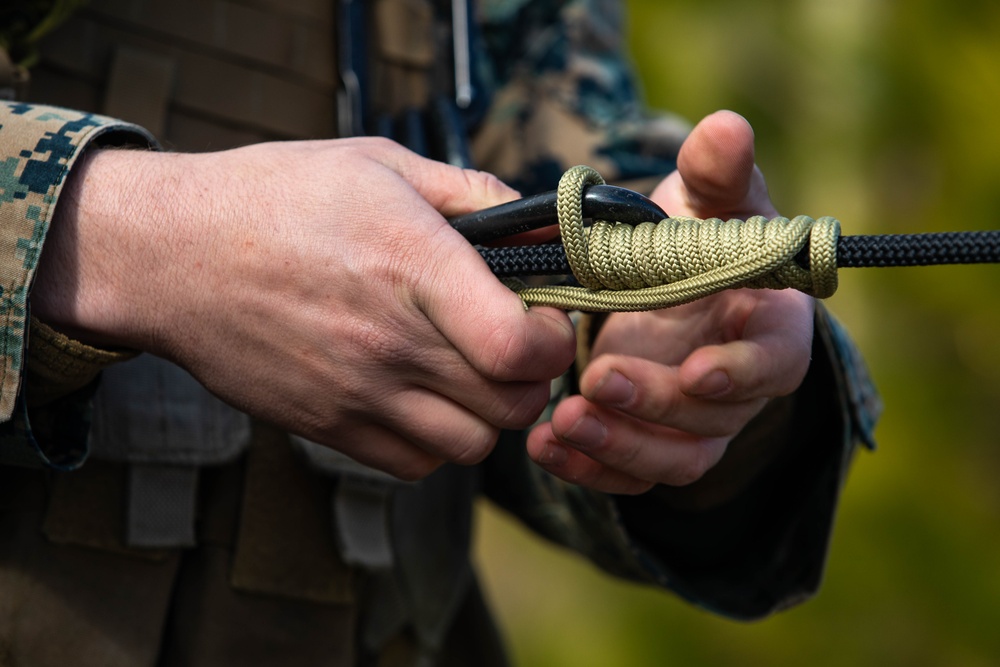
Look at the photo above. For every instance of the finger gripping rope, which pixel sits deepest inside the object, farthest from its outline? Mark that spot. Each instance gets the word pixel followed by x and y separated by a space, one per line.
pixel 679 260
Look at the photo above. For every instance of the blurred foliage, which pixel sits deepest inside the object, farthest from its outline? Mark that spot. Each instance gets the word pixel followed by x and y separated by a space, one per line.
pixel 22 24
pixel 883 114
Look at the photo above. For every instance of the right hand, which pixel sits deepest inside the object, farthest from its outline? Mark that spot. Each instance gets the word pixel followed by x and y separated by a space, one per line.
pixel 315 285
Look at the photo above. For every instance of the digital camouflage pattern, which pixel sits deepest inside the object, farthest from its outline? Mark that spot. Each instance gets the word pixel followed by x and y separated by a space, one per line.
pixel 31 178
pixel 564 93
pixel 40 145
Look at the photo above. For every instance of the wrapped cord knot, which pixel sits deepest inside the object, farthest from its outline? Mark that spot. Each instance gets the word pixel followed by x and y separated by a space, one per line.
pixel 679 260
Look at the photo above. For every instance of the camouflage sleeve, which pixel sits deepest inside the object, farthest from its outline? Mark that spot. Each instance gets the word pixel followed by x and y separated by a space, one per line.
pixel 761 552
pixel 38 147
pixel 565 94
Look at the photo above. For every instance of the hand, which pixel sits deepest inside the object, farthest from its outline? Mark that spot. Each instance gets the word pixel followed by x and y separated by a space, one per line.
pixel 666 391
pixel 314 285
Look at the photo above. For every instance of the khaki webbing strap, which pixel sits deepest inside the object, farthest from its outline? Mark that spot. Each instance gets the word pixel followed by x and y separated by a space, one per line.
pixel 285 546
pixel 361 522
pixel 87 507
pixel 139 89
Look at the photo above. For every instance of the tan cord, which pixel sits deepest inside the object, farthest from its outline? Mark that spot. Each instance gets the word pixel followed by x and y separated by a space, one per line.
pixel 679 260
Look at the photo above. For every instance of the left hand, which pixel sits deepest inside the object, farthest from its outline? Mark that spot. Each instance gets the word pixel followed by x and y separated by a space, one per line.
pixel 667 390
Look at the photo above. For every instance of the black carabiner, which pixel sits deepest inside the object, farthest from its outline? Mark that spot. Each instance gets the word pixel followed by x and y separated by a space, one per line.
pixel 600 202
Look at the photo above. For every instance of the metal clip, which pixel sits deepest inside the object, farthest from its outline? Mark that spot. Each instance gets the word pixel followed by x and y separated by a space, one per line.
pixel 351 63
pixel 462 53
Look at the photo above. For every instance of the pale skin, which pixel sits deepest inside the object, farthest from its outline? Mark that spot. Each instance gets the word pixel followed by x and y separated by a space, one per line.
pixel 317 286
pixel 667 391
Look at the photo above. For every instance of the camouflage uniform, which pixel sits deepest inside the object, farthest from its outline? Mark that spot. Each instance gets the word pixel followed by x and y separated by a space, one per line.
pixel 195 535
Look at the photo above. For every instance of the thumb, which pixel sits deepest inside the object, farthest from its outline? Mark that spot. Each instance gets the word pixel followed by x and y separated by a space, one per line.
pixel 716 174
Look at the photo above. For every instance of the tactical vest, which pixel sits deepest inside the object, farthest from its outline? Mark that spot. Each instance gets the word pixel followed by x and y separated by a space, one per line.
pixel 210 76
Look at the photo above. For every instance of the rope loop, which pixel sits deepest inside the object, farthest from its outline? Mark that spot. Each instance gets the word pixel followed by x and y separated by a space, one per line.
pixel 681 259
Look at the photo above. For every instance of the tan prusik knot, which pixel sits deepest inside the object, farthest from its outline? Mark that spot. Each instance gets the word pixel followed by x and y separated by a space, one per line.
pixel 679 260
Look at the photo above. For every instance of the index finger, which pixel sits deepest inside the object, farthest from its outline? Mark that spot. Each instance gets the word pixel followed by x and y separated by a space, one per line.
pixel 633 394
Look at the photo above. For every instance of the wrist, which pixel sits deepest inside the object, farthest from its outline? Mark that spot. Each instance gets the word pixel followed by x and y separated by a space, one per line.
pixel 95 265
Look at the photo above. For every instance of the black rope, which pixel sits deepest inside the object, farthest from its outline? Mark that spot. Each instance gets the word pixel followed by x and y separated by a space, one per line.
pixel 852 252
pixel 919 249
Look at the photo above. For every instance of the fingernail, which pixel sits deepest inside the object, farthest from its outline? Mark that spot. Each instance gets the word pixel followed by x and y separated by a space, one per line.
pixel 588 431
pixel 715 383
pixel 554 454
pixel 614 389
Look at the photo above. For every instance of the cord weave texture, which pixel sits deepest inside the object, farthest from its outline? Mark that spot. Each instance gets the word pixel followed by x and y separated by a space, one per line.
pixel 680 259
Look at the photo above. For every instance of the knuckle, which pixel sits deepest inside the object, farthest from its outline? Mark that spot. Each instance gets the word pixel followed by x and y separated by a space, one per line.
pixel 634 487
pixel 619 452
pixel 661 408
pixel 726 424
pixel 736 419
pixel 585 473
pixel 382 146
pixel 610 480
pixel 593 477
pixel 494 187
pixel 489 185
pixel 506 351
pixel 379 344
pixel 355 150
pixel 528 404
pixel 685 475
pixel 415 469
pixel 693 467
pixel 790 382
pixel 473 448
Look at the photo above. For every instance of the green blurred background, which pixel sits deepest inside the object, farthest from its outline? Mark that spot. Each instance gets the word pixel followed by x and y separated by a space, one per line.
pixel 885 115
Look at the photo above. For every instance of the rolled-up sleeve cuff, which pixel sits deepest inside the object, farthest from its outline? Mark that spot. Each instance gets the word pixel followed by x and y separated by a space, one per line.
pixel 38 147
